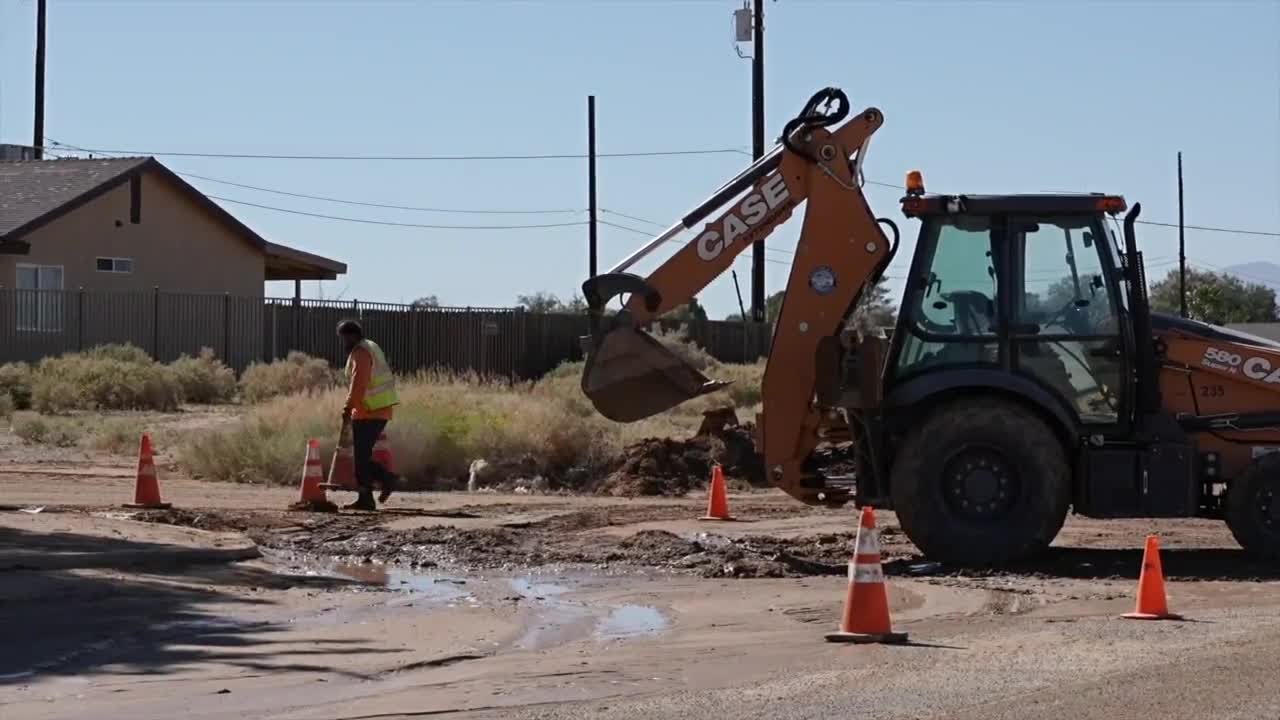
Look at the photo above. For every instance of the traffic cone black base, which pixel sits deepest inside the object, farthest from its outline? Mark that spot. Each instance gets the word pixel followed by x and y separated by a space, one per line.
pixel 891 638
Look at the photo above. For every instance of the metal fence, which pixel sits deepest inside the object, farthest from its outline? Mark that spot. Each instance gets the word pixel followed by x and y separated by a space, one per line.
pixel 509 342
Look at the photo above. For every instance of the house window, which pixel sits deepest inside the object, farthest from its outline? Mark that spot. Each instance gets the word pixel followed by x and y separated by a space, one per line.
pixel 39 301
pixel 115 265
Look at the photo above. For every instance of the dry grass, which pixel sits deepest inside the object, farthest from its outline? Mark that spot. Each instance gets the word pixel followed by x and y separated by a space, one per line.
pixel 124 377
pixel 91 381
pixel 117 377
pixel 204 379
pixel 445 422
pixel 297 373
pixel 15 385
pixel 37 430
pixel 113 435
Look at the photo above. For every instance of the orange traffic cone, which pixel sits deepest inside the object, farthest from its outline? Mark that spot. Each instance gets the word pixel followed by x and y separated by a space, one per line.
pixel 866 606
pixel 717 497
pixel 146 488
pixel 342 471
pixel 382 453
pixel 1152 603
pixel 311 495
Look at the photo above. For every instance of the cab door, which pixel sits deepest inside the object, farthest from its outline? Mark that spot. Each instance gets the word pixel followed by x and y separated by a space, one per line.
pixel 1067 331
pixel 952 302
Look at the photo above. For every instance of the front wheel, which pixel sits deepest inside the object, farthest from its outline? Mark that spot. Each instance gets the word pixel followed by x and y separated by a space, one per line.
pixel 981 482
pixel 1253 508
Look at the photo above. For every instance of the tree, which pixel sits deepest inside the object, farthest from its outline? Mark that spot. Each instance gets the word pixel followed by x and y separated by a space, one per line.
pixel 548 303
pixel 772 306
pixel 1062 293
pixel 1217 298
pixel 539 302
pixel 690 312
pixel 426 301
pixel 875 309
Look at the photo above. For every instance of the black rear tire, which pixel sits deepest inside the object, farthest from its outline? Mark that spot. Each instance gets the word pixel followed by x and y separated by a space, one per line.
pixel 1253 508
pixel 981 482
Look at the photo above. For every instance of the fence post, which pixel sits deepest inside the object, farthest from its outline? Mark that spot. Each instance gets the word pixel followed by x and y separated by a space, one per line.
pixel 414 356
pixel 80 320
pixel 155 325
pixel 226 328
pixel 275 333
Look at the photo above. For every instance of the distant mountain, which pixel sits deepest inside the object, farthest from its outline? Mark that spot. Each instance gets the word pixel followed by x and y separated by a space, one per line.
pixel 1259 271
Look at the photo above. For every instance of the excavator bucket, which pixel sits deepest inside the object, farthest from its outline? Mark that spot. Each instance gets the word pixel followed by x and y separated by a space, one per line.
pixel 630 376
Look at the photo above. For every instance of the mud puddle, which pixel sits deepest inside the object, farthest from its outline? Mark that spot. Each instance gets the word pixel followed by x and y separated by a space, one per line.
pixel 555 609
pixel 630 621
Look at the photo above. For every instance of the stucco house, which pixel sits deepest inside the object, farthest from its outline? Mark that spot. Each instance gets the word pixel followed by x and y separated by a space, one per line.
pixel 131 223
pixel 125 250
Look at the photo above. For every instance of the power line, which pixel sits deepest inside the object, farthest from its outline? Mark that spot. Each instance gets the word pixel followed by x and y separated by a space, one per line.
pixel 378 205
pixel 64 146
pixel 788 253
pixel 369 221
pixel 411 158
pixel 324 198
pixel 631 217
pixel 673 240
pixel 1206 228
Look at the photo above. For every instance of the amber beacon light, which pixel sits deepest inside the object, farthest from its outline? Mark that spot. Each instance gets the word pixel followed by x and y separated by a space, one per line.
pixel 915 183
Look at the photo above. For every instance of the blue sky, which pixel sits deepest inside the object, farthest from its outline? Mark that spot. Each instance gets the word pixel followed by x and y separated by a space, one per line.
pixel 994 96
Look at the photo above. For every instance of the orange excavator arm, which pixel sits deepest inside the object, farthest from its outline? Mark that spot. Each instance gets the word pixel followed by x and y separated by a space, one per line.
pixel 841 251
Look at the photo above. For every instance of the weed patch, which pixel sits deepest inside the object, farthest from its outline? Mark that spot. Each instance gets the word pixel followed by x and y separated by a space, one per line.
pixel 297 373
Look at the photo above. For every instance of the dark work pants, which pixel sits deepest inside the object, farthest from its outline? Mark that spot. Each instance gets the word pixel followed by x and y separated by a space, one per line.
pixel 364 435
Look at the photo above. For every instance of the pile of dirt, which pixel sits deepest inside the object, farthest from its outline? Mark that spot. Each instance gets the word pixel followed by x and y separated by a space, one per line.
pixel 662 466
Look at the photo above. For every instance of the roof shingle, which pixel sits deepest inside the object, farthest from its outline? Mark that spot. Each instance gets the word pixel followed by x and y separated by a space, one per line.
pixel 31 189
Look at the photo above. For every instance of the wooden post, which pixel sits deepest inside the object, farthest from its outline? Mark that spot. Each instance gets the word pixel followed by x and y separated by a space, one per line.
pixel 80 320
pixel 155 324
pixel 226 328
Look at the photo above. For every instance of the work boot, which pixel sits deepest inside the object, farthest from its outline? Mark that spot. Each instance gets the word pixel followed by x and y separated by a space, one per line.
pixel 389 485
pixel 363 502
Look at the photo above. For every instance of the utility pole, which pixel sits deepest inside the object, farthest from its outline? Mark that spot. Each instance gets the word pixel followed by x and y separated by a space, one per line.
pixel 757 150
pixel 37 141
pixel 591 182
pixel 1182 247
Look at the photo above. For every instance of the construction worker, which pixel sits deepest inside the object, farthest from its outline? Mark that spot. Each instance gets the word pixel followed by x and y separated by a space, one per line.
pixel 370 400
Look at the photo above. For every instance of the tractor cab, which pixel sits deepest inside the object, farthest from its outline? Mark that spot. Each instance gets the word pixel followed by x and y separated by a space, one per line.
pixel 1024 294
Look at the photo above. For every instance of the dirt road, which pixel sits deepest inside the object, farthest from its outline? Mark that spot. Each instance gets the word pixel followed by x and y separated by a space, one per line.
pixel 487 606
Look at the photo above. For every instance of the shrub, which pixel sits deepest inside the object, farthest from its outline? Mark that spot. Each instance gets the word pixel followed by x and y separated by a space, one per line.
pixel 297 373
pixel 109 378
pixel 47 431
pixel 204 379
pixel 50 394
pixel 15 383
pixel 126 353
pixel 6 406
pixel 677 341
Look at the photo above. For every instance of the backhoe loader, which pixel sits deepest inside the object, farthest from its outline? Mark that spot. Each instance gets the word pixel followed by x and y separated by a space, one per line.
pixel 1026 376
